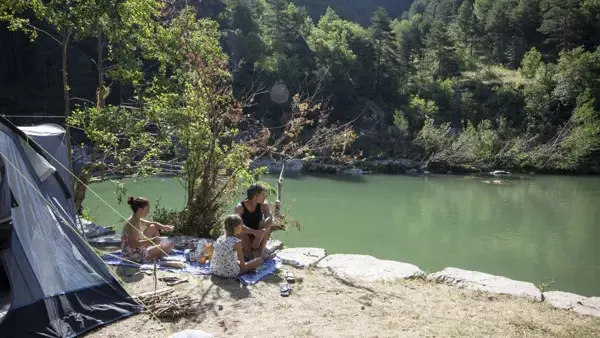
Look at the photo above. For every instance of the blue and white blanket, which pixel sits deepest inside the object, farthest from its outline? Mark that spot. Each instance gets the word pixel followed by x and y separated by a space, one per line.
pixel 195 268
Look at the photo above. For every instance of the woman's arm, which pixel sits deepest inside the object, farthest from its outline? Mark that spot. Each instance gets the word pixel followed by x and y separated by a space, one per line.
pixel 162 227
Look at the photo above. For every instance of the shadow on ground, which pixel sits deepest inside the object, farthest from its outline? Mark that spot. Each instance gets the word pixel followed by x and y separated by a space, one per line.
pixel 129 274
pixel 232 286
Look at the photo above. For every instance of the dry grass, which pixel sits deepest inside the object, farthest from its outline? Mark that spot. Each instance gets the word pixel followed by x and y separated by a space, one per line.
pixel 496 73
pixel 324 306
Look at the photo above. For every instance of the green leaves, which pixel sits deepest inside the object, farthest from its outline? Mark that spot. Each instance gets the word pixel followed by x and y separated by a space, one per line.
pixel 530 63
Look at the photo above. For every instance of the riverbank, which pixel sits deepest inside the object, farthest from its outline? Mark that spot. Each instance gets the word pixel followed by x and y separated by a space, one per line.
pixel 398 166
pixel 361 296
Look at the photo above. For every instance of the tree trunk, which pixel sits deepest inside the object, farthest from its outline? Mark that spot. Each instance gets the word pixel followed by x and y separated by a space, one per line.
pixel 66 35
pixel 102 91
pixel 84 179
pixel 88 169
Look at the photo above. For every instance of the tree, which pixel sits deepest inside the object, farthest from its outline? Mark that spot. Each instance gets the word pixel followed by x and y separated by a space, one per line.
pixel 408 37
pixel 539 101
pixel 124 33
pixel 438 41
pixel 466 23
pixel 576 71
pixel 205 118
pixel 62 17
pixel 530 63
pixel 561 23
pixel 575 141
pixel 284 31
pixel 383 38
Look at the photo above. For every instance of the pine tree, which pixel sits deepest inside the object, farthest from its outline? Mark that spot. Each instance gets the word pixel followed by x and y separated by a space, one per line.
pixel 467 25
pixel 561 23
pixel 440 43
pixel 384 39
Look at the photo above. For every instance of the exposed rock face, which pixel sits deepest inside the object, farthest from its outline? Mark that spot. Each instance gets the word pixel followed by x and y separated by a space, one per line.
pixel 293 167
pixel 301 257
pixel 368 268
pixel 476 280
pixel 576 303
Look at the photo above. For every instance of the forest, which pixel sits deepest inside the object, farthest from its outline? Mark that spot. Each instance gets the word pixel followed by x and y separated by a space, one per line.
pixel 510 84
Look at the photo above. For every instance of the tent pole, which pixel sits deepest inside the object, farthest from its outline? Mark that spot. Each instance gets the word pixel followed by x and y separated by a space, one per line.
pixel 78 220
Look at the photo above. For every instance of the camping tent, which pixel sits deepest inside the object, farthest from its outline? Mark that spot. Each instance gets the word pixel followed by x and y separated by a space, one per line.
pixel 58 286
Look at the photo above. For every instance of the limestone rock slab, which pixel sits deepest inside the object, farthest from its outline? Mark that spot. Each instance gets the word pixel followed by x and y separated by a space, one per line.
pixel 368 268
pixel 301 257
pixel 576 303
pixel 476 280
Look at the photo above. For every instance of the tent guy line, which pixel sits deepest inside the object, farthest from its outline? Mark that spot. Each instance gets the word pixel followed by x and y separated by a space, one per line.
pixel 54 277
pixel 79 235
pixel 90 189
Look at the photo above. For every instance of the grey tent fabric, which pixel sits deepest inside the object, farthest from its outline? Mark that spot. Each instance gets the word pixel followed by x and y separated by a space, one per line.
pixel 4 195
pixel 59 286
pixel 52 139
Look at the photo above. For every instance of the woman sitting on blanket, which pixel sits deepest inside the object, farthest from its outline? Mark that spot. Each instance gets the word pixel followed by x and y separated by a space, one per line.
pixel 255 230
pixel 143 245
pixel 228 257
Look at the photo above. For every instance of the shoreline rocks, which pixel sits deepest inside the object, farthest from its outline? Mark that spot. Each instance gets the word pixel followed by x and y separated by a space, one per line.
pixel 573 302
pixel 368 268
pixel 481 281
pixel 302 257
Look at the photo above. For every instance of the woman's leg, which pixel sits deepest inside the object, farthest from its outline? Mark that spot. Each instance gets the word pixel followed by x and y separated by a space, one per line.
pixel 151 232
pixel 160 250
pixel 251 265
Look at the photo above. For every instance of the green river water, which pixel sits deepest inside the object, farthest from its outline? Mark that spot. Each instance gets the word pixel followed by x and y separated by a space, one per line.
pixel 535 229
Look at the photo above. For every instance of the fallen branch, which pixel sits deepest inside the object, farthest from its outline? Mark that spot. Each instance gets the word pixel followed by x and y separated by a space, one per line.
pixel 164 304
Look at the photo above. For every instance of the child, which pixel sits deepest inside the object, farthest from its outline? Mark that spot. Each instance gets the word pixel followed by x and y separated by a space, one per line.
pixel 228 257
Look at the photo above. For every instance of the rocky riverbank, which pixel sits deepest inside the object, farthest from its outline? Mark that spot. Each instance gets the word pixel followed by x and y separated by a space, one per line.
pixel 370 269
pixel 297 167
pixel 362 296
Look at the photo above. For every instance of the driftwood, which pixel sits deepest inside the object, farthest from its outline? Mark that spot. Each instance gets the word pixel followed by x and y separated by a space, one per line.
pixel 282 221
pixel 159 292
pixel 164 303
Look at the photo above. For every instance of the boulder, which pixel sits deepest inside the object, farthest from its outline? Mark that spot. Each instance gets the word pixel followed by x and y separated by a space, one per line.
pixel 108 240
pixel 191 334
pixel 301 257
pixel 576 303
pixel 273 245
pixel 368 268
pixel 476 280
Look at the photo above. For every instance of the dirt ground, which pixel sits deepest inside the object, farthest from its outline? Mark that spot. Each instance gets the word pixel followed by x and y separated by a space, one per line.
pixel 322 305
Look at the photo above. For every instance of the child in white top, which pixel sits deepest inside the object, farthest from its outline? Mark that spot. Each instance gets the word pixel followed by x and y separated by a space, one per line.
pixel 228 257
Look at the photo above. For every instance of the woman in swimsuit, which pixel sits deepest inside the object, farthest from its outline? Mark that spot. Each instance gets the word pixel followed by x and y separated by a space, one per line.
pixel 255 230
pixel 143 246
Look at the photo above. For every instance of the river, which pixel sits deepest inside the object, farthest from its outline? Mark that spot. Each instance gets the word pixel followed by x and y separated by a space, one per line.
pixel 535 229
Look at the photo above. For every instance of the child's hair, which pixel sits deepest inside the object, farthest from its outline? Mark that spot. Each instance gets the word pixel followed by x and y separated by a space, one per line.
pixel 137 203
pixel 231 222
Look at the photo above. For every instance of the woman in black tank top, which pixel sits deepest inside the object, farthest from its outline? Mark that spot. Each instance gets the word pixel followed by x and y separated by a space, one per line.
pixel 252 219
pixel 255 230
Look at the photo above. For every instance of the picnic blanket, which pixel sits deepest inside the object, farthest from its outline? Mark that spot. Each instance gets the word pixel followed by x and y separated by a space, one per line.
pixel 195 268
